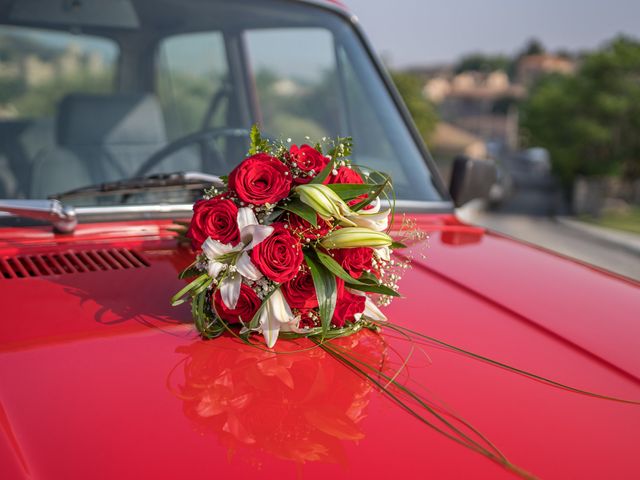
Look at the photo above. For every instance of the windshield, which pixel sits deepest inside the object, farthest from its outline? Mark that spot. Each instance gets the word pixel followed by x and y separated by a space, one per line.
pixel 92 96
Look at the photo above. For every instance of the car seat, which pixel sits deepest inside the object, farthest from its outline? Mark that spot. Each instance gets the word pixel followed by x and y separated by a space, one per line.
pixel 102 138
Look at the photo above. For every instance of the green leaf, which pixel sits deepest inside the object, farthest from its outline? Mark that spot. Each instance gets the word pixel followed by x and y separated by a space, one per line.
pixel 177 298
pixel 254 136
pixel 324 173
pixel 326 291
pixel 395 245
pixel 369 278
pixel 258 144
pixel 381 289
pixel 335 268
pixel 349 191
pixel 202 287
pixel 368 282
pixel 197 311
pixel 208 327
pixel 371 197
pixel 272 217
pixel 303 210
pixel 190 271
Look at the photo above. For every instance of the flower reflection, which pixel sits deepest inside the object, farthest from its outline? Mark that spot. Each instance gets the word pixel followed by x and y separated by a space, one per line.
pixel 298 404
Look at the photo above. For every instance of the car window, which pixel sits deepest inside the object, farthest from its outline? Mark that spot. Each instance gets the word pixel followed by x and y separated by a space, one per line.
pixel 38 68
pixel 310 85
pixel 86 104
pixel 191 69
pixel 297 83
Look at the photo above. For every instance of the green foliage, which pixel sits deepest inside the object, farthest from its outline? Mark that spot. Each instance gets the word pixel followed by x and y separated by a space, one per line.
pixel 326 291
pixel 303 210
pixel 38 94
pixel 258 144
pixel 190 288
pixel 42 100
pixel 335 268
pixel 349 191
pixel 628 220
pixel 11 88
pixel 590 122
pixel 479 62
pixel 423 112
pixel 533 47
pixel 324 173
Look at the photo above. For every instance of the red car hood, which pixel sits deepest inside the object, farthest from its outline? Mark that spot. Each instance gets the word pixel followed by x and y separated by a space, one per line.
pixel 101 378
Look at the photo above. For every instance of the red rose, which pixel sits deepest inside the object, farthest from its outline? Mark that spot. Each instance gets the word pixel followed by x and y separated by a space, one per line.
pixel 246 308
pixel 279 256
pixel 308 160
pixel 216 218
pixel 307 318
pixel 348 175
pixel 354 260
pixel 261 179
pixel 348 305
pixel 345 175
pixel 299 226
pixel 300 291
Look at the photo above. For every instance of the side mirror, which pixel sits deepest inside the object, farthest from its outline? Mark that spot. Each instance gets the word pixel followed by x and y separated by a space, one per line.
pixel 471 178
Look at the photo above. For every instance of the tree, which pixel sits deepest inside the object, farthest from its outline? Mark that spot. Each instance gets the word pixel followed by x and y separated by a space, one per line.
pixel 533 47
pixel 423 112
pixel 590 121
pixel 479 62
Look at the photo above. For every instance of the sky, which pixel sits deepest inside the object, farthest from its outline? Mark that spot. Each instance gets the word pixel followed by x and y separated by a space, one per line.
pixel 419 32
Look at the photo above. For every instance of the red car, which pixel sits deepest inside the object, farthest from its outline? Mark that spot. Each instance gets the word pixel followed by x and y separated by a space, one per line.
pixel 101 103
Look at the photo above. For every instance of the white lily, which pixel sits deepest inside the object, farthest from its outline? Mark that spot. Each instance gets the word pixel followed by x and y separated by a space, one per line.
pixel 275 316
pixel 235 259
pixel 371 310
pixel 373 219
pixel 383 253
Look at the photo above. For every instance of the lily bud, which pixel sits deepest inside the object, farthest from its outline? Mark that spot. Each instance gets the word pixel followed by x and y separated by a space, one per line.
pixel 325 202
pixel 353 237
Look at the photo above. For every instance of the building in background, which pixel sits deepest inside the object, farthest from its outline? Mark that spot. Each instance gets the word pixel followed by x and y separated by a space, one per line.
pixel 483 104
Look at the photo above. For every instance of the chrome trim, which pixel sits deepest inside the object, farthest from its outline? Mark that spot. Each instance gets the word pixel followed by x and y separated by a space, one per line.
pixel 63 218
pixel 421 206
pixel 137 209
pixel 176 210
pixel 133 212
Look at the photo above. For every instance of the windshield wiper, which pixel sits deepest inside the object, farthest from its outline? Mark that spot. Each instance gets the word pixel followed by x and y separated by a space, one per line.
pixel 160 181
pixel 63 218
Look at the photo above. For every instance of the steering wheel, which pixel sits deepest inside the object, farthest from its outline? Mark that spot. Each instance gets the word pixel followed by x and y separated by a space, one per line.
pixel 203 137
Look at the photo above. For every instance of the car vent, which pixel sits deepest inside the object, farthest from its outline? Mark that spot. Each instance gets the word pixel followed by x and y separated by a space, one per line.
pixel 69 261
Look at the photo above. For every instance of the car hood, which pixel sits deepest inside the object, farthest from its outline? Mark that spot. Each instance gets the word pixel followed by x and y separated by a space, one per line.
pixel 101 378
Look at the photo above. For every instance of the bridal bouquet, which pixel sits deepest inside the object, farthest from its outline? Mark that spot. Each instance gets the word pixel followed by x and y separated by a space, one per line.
pixel 292 243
